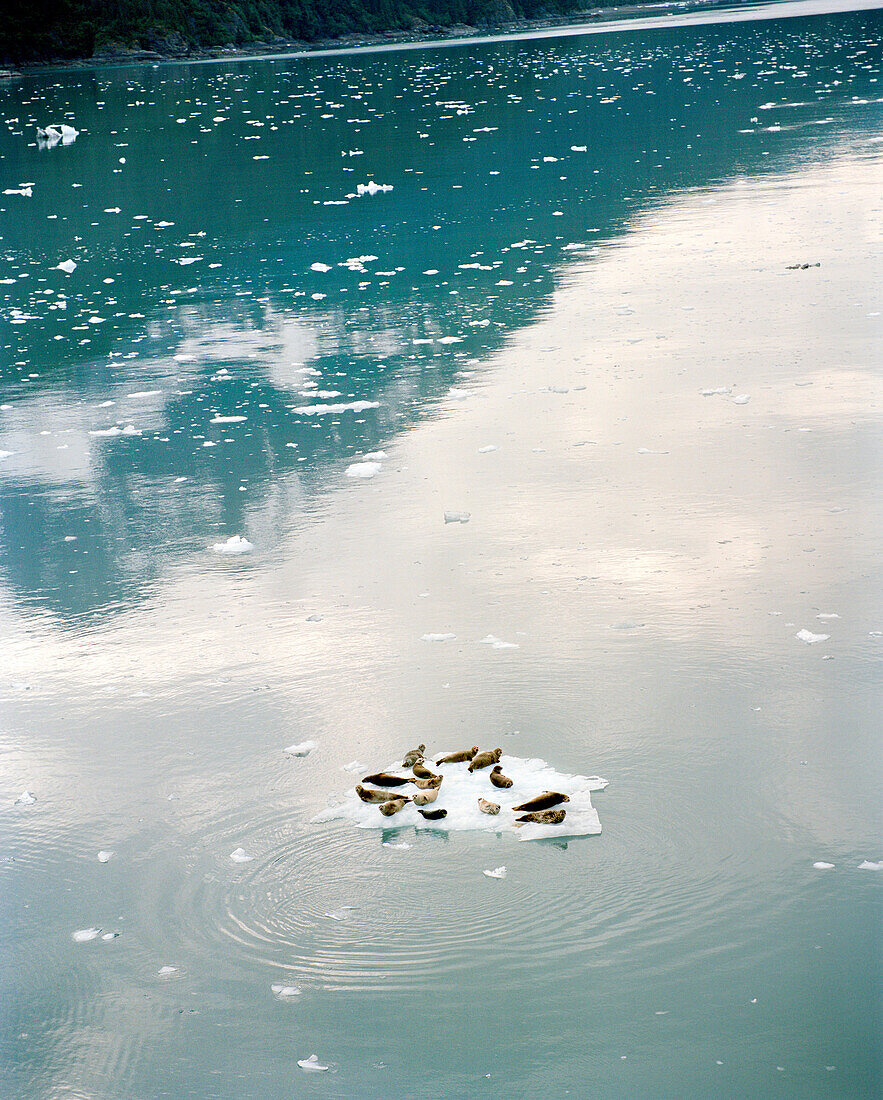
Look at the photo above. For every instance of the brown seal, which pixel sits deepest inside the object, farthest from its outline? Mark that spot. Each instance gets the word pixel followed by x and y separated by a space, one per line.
pixel 393 806
pixel 488 807
pixel 543 801
pixel 425 797
pixel 544 817
pixel 413 755
pixel 421 771
pixel 367 795
pixel 427 784
pixel 458 757
pixel 433 815
pixel 485 759
pixel 498 779
pixel 383 779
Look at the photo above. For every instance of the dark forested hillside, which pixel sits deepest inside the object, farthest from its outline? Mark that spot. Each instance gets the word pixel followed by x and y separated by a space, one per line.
pixel 35 30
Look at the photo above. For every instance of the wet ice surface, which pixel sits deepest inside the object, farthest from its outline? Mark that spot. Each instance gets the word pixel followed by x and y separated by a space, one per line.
pixel 459 794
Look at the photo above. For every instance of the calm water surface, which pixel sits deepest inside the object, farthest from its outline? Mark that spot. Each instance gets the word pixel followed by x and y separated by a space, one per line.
pixel 582 236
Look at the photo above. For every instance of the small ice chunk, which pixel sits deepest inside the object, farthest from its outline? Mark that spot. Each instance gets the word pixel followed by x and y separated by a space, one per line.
pixel 821 866
pixel 84 935
pixel 376 456
pixel 66 265
pixel 437 637
pixel 715 392
pixel 26 799
pixel 342 913
pixel 354 766
pixel 363 469
pixel 227 419
pixel 166 971
pixel 312 1063
pixel 823 615
pixel 498 872
pixel 497 643
pixel 457 517
pixel 104 857
pixel 283 992
pixel 314 618
pixel 486 450
pixel 870 865
pixel 372 188
pixel 320 267
pixel 236 544
pixel 742 399
pixel 402 846
pixel 239 855
pixel 322 410
pixel 303 749
pixel 108 936
pixel 808 637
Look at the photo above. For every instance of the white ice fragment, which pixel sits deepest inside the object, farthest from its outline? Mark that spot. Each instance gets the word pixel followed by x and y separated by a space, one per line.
pixel 166 971
pixel 103 856
pixel 322 410
pixel 824 615
pixel 713 393
pixel 303 749
pixel 145 393
pixel 108 936
pixel 820 866
pixel 6 454
pixel 437 637
pixel 647 451
pixel 239 855
pixel 497 643
pixel 870 865
pixel 486 450
pixel 236 544
pixel 808 637
pixel 320 267
pixel 84 935
pixel 66 265
pixel 742 399
pixel 111 433
pixel 227 419
pixel 26 799
pixel 25 192
pixel 498 872
pixel 283 992
pixel 363 469
pixel 312 1063
pixel 342 913
pixel 376 456
pixel 579 148
pixel 372 188
pixel 403 846
pixel 457 517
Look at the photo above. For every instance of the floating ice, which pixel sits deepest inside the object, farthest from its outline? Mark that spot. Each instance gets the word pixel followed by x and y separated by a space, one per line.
pixel 84 935
pixel 6 454
pixel 320 267
pixel 236 544
pixel 713 393
pixel 372 188
pixel 103 857
pixel 457 517
pixel 498 872
pixel 831 615
pixel 437 637
pixel 870 865
pixel 459 794
pixel 25 192
pixel 312 1063
pixel 239 855
pixel 486 450
pixel 497 643
pixel 363 469
pixel 112 433
pixel 303 749
pixel 355 766
pixel 283 992
pixel 67 266
pixel 742 399
pixel 820 866
pixel 227 419
pixel 808 637
pixel 166 971
pixel 402 847
pixel 26 799
pixel 108 936
pixel 322 410
pixel 376 456
pixel 647 451
pixel 51 135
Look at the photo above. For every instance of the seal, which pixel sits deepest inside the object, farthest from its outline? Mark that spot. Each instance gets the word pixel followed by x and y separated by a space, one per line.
pixel 367 795
pixel 543 801
pixel 383 779
pixel 498 779
pixel 485 759
pixel 422 772
pixel 393 806
pixel 458 757
pixel 427 784
pixel 425 797
pixel 413 755
pixel 544 817
pixel 488 807
pixel 432 815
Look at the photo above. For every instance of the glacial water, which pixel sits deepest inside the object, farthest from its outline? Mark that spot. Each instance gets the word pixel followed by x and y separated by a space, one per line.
pixel 565 438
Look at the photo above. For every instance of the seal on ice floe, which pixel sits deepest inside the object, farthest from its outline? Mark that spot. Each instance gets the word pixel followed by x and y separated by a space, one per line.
pixel 432 815
pixel 384 779
pixel 368 795
pixel 485 759
pixel 498 779
pixel 488 807
pixel 544 817
pixel 458 757
pixel 393 806
pixel 425 797
pixel 543 801
pixel 413 755
pixel 428 784
pixel 421 771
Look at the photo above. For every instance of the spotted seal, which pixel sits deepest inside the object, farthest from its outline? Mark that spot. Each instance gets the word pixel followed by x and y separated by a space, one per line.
pixel 384 779
pixel 432 815
pixel 488 807
pixel 498 779
pixel 460 757
pixel 413 755
pixel 393 806
pixel 485 759
pixel 544 817
pixel 543 801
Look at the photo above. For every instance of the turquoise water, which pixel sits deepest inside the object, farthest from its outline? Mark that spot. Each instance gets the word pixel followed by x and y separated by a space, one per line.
pixel 581 237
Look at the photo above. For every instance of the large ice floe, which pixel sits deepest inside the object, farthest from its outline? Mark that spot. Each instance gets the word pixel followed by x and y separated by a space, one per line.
pixel 461 790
